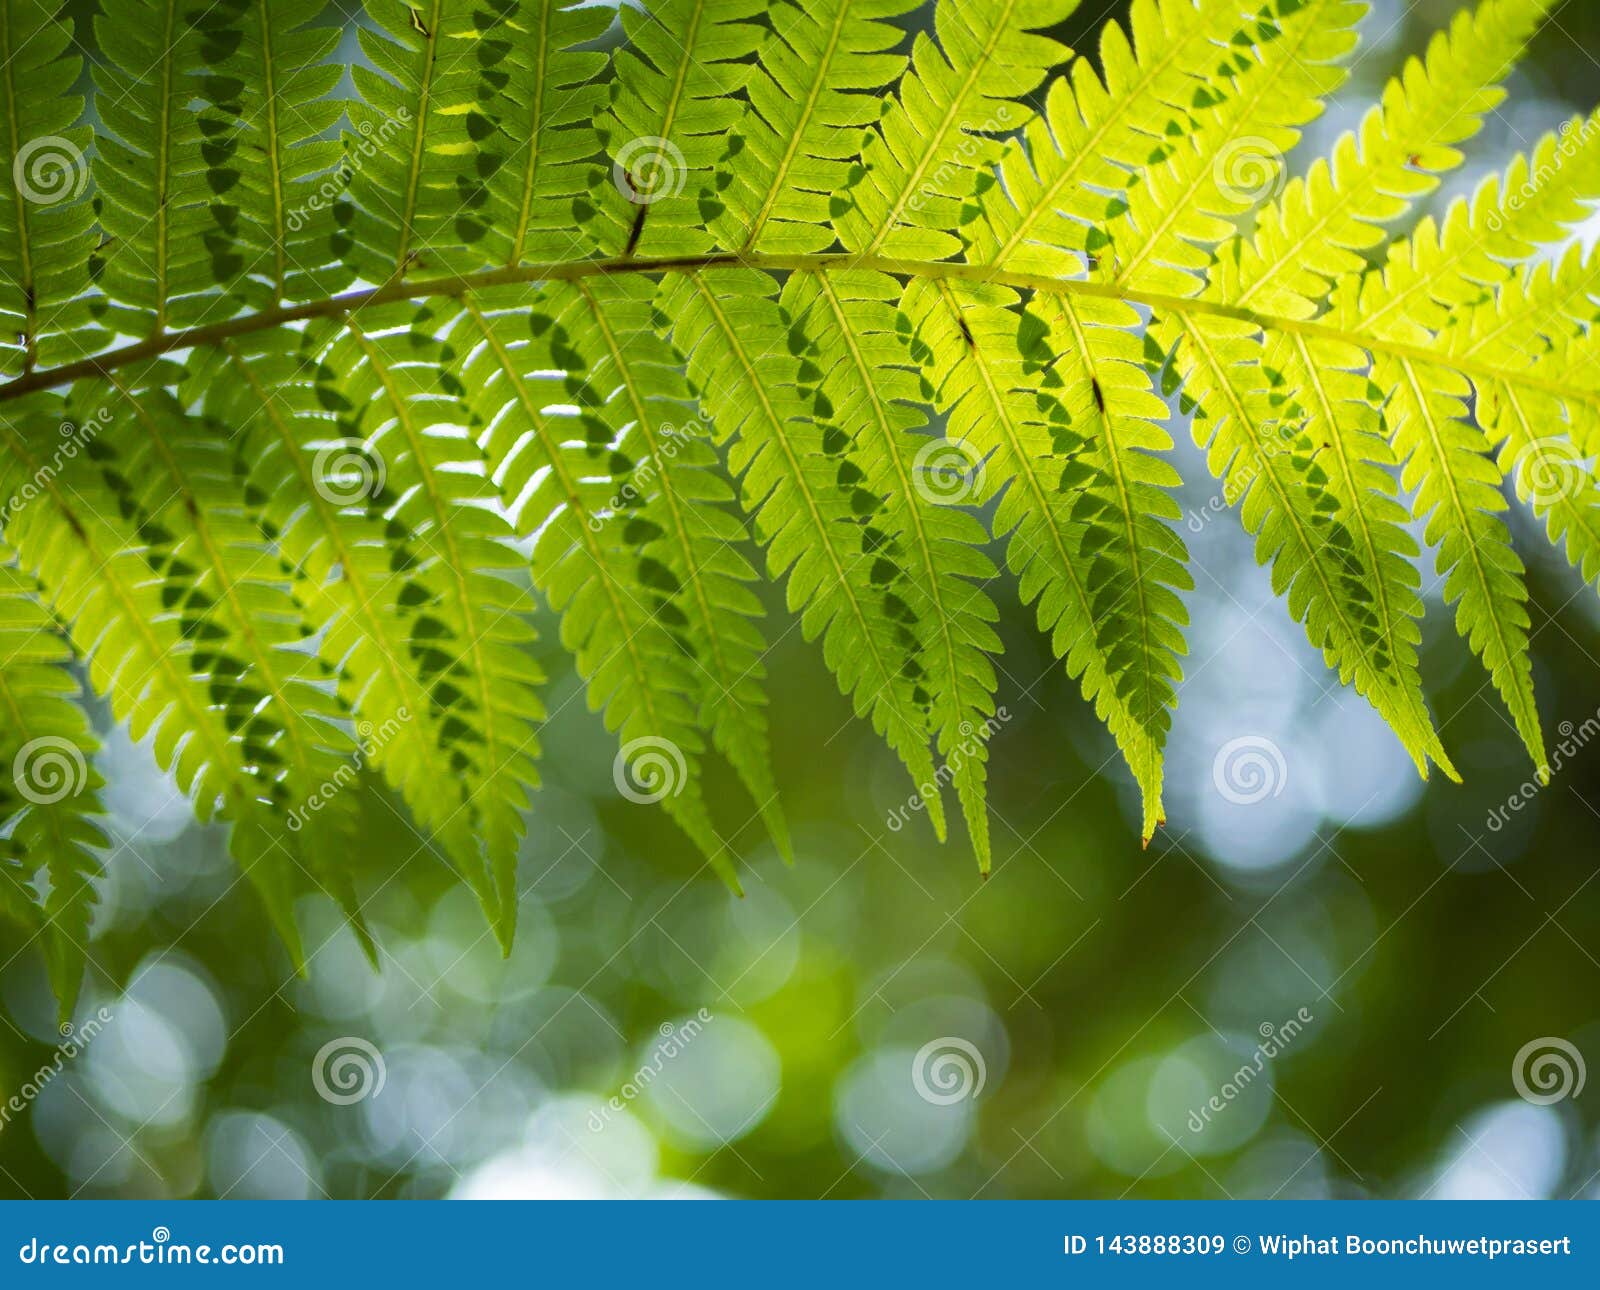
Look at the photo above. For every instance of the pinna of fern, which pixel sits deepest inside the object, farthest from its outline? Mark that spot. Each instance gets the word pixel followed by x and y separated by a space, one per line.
pixel 625 310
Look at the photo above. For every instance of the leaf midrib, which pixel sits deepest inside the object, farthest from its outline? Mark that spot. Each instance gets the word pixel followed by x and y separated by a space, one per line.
pixel 460 285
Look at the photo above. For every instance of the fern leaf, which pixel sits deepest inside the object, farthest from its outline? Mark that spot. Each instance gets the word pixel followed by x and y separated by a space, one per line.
pixel 940 131
pixel 738 344
pixel 399 400
pixel 534 138
pixel 688 540
pixel 50 797
pixel 178 480
pixel 671 116
pixel 566 257
pixel 1316 231
pixel 92 568
pixel 1059 182
pixel 270 158
pixel 811 96
pixel 320 493
pixel 569 486
pixel 1446 461
pixel 1034 438
pixel 45 219
pixel 1226 157
pixel 1136 560
pixel 404 200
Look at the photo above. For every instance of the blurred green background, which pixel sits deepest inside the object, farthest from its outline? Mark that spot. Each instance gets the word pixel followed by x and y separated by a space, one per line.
pixel 1350 966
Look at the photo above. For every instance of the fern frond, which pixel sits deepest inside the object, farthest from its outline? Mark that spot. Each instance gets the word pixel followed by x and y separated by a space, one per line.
pixel 91 564
pixel 1318 229
pixel 570 486
pixel 811 95
pixel 1226 157
pixel 941 130
pixel 1040 441
pixel 313 492
pixel 268 149
pixel 46 220
pixel 49 798
pixel 739 345
pixel 673 112
pixel 175 478
pixel 404 192
pixel 468 635
pixel 1446 461
pixel 869 380
pixel 566 257
pixel 1059 185
pixel 534 140
pixel 688 541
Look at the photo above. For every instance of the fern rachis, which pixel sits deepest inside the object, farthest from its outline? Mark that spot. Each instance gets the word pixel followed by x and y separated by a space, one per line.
pixel 513 303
